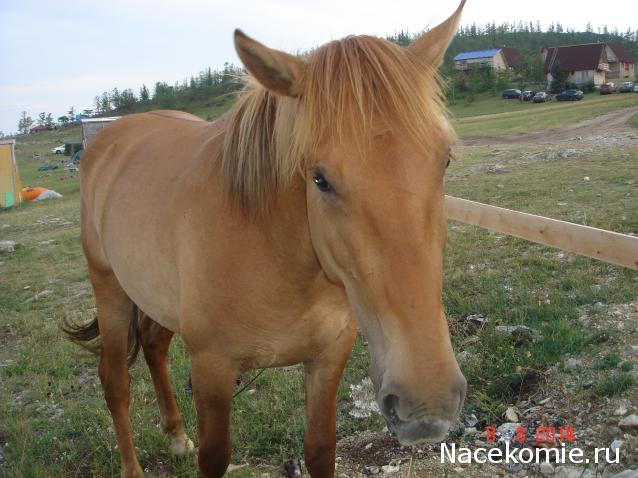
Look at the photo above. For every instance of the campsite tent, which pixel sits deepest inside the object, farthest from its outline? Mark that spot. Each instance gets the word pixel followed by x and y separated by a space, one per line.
pixel 10 187
pixel 92 126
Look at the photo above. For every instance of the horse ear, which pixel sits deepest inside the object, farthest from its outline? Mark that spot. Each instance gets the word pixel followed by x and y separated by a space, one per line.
pixel 277 71
pixel 431 46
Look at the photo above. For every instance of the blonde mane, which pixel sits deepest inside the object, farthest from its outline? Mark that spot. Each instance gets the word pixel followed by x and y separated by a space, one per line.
pixel 350 89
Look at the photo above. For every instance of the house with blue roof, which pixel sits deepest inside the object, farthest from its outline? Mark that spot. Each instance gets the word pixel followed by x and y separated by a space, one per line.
pixel 498 58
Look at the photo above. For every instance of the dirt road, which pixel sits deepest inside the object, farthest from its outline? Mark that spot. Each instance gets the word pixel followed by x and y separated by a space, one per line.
pixel 611 122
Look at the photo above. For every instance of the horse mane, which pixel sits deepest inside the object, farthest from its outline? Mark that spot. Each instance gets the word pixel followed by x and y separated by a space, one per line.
pixel 351 89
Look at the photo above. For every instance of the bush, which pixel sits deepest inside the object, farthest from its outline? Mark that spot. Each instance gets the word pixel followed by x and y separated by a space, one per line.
pixel 615 385
pixel 589 87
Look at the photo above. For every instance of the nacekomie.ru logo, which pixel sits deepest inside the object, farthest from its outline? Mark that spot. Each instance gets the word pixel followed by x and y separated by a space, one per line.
pixel 450 453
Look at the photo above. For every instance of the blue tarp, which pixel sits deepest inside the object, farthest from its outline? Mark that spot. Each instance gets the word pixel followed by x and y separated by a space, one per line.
pixel 474 55
pixel 77 156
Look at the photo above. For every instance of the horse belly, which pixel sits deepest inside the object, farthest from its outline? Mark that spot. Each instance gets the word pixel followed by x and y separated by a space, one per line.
pixel 128 190
pixel 142 263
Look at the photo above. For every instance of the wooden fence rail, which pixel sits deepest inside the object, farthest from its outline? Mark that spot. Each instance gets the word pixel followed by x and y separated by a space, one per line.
pixel 619 249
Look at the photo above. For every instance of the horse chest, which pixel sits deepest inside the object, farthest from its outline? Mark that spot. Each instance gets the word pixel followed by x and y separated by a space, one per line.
pixel 264 328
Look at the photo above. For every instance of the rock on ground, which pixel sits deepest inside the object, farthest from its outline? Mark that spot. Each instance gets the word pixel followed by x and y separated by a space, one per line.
pixel 7 246
pixel 626 474
pixel 629 423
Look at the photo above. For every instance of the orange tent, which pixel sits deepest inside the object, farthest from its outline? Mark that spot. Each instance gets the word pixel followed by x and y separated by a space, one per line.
pixel 32 193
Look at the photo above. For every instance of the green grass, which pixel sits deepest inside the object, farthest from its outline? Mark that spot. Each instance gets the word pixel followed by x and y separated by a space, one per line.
pixel 615 384
pixel 205 109
pixel 488 114
pixel 494 116
pixel 633 121
pixel 54 419
pixel 609 361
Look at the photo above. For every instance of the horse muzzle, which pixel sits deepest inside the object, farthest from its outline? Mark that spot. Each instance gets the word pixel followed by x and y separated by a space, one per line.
pixel 418 424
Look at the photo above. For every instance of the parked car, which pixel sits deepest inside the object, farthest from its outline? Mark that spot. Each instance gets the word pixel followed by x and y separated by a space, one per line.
pixel 542 97
pixel 635 87
pixel 58 149
pixel 626 87
pixel 511 94
pixel 607 88
pixel 570 95
pixel 527 95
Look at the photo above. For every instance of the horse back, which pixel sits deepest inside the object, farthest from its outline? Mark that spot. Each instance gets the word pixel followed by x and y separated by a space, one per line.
pixel 138 178
pixel 143 155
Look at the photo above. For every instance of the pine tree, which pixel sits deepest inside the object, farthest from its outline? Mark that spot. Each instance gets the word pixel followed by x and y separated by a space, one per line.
pixel 25 123
pixel 144 96
pixel 97 101
pixel 559 78
pixel 105 103
pixel 127 100
pixel 116 99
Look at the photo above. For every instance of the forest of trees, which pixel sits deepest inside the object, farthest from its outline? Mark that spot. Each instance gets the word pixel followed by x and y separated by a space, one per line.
pixel 207 84
pixel 528 38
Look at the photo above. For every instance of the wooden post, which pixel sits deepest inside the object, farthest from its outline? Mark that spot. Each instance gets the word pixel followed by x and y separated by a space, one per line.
pixel 613 247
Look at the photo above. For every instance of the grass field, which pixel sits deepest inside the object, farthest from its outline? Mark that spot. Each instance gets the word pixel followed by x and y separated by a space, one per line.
pixel 53 418
pixel 496 116
pixel 489 114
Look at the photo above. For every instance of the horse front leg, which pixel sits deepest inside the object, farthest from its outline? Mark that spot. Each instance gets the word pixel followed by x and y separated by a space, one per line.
pixel 322 376
pixel 213 384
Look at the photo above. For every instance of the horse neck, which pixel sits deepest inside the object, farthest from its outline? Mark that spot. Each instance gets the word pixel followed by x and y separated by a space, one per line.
pixel 286 224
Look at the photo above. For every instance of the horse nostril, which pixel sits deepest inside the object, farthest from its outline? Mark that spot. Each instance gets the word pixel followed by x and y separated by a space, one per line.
pixel 390 402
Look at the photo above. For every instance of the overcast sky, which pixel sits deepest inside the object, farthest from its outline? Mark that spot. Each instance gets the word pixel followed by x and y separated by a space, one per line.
pixel 60 53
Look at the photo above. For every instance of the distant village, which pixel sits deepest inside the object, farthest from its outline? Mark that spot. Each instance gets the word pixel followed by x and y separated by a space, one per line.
pixel 597 63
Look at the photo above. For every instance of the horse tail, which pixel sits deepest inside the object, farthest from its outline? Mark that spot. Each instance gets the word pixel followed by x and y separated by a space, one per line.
pixel 87 335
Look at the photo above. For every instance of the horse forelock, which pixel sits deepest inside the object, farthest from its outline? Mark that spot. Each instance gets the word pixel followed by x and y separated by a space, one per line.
pixel 352 89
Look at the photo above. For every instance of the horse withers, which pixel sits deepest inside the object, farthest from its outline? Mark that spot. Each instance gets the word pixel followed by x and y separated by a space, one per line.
pixel 260 237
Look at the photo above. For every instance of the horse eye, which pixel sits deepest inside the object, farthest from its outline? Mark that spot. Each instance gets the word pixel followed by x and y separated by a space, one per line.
pixel 322 183
pixel 451 155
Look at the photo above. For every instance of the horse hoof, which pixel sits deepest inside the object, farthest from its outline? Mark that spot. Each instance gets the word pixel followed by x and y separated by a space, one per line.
pixel 181 446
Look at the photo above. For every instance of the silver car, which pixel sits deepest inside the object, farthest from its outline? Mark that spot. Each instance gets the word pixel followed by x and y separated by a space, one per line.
pixel 541 97
pixel 626 87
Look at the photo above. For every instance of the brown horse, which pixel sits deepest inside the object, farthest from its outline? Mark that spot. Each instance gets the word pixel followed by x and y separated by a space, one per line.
pixel 259 237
